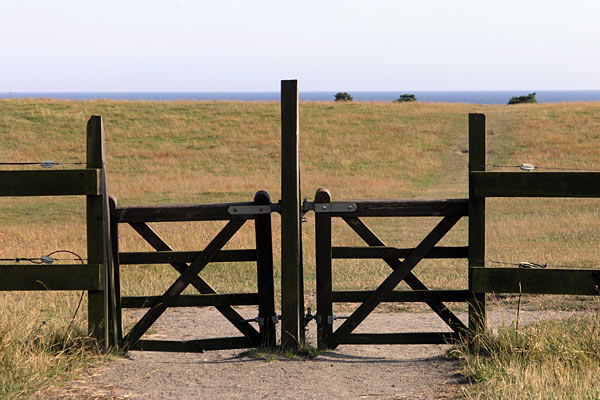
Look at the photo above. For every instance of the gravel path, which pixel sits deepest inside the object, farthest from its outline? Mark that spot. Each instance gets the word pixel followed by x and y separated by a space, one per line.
pixel 349 372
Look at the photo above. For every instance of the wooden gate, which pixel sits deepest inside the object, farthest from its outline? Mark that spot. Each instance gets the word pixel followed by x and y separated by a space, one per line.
pixel 189 264
pixel 401 261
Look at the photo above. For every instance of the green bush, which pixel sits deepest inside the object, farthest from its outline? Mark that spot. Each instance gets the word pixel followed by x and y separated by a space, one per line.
pixel 405 98
pixel 530 98
pixel 343 96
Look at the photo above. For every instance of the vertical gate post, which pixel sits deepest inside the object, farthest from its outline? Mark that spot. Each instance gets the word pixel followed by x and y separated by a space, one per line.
pixel 95 209
pixel 292 303
pixel 117 318
pixel 264 265
pixel 477 160
pixel 323 265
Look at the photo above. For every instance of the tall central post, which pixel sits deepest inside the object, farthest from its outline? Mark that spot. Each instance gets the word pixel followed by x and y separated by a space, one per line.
pixel 292 295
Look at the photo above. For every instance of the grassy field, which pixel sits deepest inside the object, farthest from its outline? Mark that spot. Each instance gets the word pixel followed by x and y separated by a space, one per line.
pixel 203 152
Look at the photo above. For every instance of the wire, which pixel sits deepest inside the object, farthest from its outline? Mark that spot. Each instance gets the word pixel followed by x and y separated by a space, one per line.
pixel 82 292
pixel 43 164
pixel 532 265
pixel 531 167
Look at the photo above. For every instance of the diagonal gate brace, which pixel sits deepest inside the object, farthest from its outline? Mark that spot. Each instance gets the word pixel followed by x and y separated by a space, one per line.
pixel 399 273
pixel 411 279
pixel 200 284
pixel 182 282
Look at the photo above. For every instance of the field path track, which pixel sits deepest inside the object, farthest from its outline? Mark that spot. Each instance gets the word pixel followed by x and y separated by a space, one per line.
pixel 349 372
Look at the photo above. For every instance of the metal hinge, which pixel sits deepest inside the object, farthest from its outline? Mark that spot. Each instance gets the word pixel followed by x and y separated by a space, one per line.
pixel 329 207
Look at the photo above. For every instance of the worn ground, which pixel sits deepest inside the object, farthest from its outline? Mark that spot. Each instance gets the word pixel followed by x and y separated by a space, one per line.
pixel 349 372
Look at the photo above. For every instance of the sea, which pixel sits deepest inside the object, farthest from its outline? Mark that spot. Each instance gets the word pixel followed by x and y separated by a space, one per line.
pixel 472 97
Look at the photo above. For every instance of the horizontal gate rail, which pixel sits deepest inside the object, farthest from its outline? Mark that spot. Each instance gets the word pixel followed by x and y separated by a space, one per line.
pixel 375 252
pixel 403 296
pixel 406 208
pixel 399 338
pixel 167 257
pixel 183 212
pixel 204 300
pixel 193 346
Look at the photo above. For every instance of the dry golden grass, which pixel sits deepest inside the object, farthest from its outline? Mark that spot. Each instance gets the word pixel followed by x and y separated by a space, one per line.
pixel 203 152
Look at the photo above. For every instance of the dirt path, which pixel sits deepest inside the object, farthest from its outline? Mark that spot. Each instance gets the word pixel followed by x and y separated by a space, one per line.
pixel 349 372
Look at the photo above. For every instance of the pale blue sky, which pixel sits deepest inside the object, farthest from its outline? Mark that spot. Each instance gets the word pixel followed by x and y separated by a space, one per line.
pixel 223 45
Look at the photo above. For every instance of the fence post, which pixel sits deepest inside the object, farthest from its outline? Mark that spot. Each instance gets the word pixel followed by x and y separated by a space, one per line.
pixel 292 303
pixel 95 209
pixel 264 266
pixel 323 271
pixel 477 160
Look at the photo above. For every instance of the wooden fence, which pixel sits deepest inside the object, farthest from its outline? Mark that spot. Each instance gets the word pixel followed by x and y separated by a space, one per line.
pixel 91 276
pixel 484 184
pixel 102 281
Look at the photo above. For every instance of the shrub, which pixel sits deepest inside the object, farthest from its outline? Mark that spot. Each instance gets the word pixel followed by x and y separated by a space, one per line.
pixel 530 98
pixel 406 97
pixel 343 96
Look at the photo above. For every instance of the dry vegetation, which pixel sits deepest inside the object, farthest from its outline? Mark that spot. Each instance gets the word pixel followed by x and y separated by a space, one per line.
pixel 202 152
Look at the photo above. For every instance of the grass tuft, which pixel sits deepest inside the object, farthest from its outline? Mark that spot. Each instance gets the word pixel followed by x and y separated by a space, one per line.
pixel 557 359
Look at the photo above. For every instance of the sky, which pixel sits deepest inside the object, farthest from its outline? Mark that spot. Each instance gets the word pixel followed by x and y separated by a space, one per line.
pixel 226 45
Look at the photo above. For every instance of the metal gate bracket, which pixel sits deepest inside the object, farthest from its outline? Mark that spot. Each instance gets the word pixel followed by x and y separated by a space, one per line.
pixel 249 210
pixel 334 207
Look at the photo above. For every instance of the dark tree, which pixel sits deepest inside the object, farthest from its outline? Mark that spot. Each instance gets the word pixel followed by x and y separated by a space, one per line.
pixel 530 98
pixel 406 98
pixel 343 96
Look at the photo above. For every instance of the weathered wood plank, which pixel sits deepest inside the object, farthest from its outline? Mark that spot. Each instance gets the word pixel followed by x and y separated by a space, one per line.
pixel 60 182
pixel 403 296
pixel 376 252
pixel 264 272
pixel 407 208
pixel 168 257
pixel 95 231
pixel 477 161
pixel 541 281
pixel 51 277
pixel 535 184
pixel 204 300
pixel 192 346
pixel 291 257
pixel 399 338
pixel 179 212
pixel 323 256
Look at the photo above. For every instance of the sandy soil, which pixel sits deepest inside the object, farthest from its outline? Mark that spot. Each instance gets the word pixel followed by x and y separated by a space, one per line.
pixel 349 372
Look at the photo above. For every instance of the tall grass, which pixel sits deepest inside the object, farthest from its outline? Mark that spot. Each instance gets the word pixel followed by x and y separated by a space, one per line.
pixel 547 360
pixel 39 348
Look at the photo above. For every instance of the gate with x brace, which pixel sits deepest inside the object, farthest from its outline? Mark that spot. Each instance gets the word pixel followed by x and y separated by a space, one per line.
pixel 402 261
pixel 190 264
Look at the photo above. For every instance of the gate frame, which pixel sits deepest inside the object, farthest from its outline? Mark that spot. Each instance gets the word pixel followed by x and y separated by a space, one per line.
pixel 451 210
pixel 237 214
